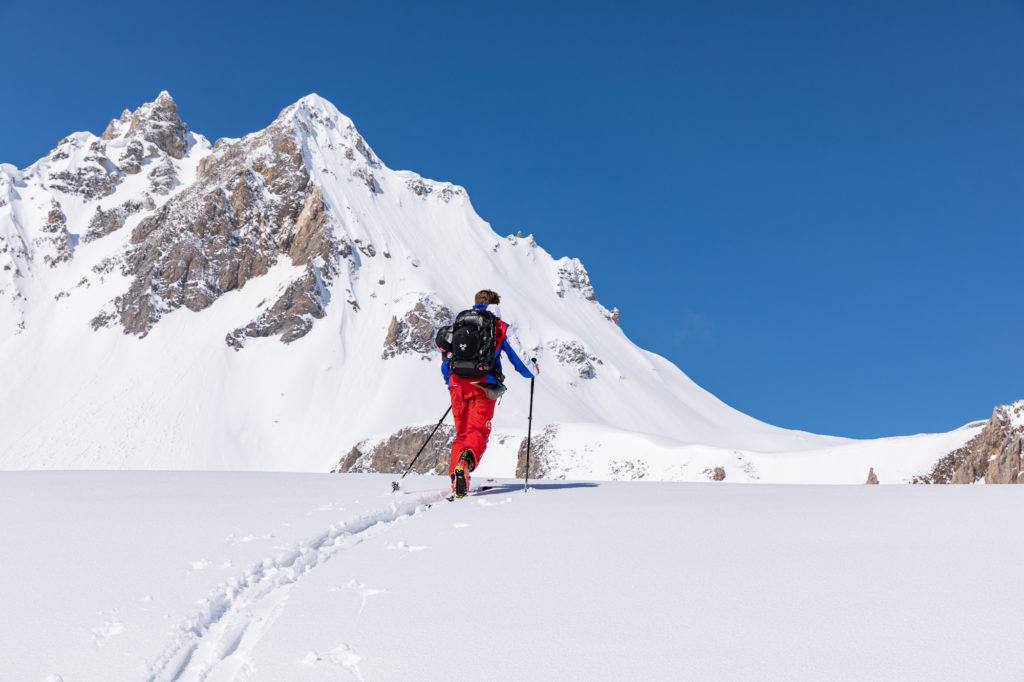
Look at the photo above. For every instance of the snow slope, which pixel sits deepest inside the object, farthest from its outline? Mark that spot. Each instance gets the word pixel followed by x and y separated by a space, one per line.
pixel 85 394
pixel 250 576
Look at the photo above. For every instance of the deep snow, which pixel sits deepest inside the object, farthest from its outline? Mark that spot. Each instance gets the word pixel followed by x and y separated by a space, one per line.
pixel 160 575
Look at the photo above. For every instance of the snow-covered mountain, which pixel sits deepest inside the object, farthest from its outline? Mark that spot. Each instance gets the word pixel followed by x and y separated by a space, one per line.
pixel 269 303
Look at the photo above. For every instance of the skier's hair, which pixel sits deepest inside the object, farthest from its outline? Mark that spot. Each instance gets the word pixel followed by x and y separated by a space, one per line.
pixel 487 297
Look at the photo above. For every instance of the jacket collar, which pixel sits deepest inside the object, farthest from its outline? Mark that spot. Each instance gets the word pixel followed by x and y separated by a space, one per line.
pixel 490 307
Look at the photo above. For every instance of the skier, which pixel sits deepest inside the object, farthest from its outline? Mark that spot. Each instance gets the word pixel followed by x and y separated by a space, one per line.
pixel 471 366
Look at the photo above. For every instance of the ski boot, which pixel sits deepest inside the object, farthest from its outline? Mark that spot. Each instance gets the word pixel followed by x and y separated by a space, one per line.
pixel 460 479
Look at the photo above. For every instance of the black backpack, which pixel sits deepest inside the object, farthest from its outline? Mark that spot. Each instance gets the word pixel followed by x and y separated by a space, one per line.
pixel 469 345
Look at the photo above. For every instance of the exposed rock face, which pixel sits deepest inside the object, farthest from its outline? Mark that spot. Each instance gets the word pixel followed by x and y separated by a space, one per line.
pixel 157 122
pixel 308 239
pixel 542 453
pixel 292 314
pixel 132 157
pixel 161 178
pixel 414 332
pixel 105 222
pixel 629 469
pixel 994 455
pixel 872 478
pixel 716 474
pixel 394 454
pixel 56 242
pixel 573 276
pixel 424 188
pixel 574 355
pixel 95 177
pixel 418 187
pixel 253 202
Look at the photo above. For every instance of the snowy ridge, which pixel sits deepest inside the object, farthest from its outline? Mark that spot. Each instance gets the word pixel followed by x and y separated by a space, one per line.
pixel 269 303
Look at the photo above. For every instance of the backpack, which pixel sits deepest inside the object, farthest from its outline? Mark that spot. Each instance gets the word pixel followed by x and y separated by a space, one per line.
pixel 470 345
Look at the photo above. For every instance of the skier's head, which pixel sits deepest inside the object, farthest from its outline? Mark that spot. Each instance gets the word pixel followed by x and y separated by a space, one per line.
pixel 487 297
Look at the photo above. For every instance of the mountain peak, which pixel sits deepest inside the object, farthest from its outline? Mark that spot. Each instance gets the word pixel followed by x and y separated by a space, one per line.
pixel 315 108
pixel 157 122
pixel 319 123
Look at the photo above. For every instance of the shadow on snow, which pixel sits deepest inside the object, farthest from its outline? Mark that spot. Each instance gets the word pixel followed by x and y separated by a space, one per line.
pixel 501 488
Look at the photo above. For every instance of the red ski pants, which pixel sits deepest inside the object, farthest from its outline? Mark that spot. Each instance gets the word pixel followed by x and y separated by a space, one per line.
pixel 473 411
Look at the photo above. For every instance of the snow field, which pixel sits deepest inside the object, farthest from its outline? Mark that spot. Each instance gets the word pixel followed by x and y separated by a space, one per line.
pixel 242 576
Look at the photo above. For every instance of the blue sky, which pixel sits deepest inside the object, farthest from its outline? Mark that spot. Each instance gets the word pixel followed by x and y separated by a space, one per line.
pixel 814 209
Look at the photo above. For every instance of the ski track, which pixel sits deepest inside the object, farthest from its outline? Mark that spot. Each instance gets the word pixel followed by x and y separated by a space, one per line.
pixel 215 643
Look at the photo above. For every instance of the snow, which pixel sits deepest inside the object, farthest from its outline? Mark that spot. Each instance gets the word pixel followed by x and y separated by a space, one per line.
pixel 1015 411
pixel 180 398
pixel 220 576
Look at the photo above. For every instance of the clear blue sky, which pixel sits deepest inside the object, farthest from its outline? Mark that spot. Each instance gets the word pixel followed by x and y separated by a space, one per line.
pixel 815 209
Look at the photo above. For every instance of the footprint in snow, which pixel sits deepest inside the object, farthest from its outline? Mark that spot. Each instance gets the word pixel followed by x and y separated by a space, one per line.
pixel 104 632
pixel 406 547
pixel 361 589
pixel 342 656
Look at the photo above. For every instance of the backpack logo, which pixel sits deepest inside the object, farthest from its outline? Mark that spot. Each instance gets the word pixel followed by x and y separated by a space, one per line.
pixel 462 346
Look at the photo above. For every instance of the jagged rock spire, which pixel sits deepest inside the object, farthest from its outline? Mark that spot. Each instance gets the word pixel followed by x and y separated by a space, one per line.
pixel 157 122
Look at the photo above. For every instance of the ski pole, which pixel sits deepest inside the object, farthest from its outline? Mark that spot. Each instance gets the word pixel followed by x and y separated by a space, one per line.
pixel 395 484
pixel 529 428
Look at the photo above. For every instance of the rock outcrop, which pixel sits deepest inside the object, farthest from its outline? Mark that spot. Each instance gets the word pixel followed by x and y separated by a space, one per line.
pixel 94 177
pixel 292 314
pixel 113 219
pixel 55 243
pixel 414 332
pixel 872 478
pixel 574 355
pixel 393 454
pixel 542 453
pixel 162 178
pixel 629 469
pixel 131 158
pixel 572 276
pixel 993 456
pixel 253 202
pixel 157 122
pixel 716 474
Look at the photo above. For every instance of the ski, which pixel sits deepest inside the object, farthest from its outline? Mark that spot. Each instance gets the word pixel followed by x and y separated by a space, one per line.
pixel 489 484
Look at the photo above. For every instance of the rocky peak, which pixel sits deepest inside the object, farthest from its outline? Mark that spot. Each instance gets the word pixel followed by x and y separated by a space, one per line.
pixel 157 122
